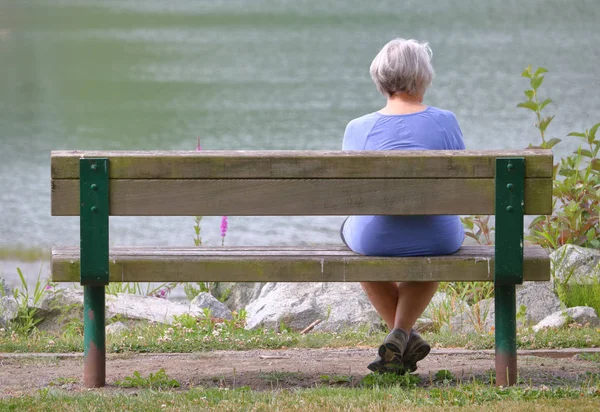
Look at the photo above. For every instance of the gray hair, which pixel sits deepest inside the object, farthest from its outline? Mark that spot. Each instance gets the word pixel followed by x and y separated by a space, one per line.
pixel 403 66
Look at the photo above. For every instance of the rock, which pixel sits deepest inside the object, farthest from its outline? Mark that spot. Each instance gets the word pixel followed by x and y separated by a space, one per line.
pixel 59 307
pixel 116 328
pixel 9 309
pixel 217 309
pixel 148 308
pixel 578 314
pixel 575 264
pixel 240 294
pixel 478 318
pixel 442 305
pixel 296 305
pixel 538 299
pixel 424 325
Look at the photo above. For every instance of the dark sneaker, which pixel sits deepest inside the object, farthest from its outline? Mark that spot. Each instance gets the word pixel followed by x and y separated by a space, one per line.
pixel 416 349
pixel 393 346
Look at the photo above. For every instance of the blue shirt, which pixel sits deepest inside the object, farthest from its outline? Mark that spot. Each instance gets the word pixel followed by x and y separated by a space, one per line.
pixel 430 129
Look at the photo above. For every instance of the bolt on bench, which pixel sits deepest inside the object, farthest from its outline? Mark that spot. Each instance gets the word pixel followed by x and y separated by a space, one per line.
pixel 96 184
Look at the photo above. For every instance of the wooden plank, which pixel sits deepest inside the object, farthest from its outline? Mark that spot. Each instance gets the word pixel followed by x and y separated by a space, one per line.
pixel 294 197
pixel 470 263
pixel 301 164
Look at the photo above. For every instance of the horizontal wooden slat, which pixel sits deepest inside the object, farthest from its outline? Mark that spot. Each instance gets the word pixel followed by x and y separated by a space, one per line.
pixel 284 197
pixel 301 164
pixel 321 264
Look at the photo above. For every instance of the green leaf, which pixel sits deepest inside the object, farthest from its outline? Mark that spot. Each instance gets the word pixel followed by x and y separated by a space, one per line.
pixel 536 82
pixel 529 94
pixel 545 122
pixel 527 72
pixel 531 105
pixel 551 143
pixel 577 134
pixel 545 103
pixel 593 131
pixel 596 164
pixel 584 152
pixel 540 70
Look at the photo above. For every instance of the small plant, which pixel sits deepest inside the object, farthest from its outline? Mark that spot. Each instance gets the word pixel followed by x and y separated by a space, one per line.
pixel 478 227
pixel 384 380
pixel 576 197
pixel 27 320
pixel 444 376
pixel 158 380
pixel 197 229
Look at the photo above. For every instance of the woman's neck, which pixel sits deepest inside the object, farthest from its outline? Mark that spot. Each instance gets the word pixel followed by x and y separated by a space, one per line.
pixel 403 103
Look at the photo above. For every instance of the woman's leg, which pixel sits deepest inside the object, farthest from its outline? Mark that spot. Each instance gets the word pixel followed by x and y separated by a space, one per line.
pixel 400 304
pixel 413 298
pixel 384 298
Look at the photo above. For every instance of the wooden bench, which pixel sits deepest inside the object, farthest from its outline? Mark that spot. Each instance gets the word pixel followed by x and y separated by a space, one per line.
pixel 97 184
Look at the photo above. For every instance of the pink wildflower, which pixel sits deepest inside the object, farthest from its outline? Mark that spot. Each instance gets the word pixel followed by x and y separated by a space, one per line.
pixel 48 287
pixel 223 229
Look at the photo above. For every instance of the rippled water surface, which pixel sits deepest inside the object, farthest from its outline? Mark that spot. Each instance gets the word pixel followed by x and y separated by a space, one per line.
pixel 264 74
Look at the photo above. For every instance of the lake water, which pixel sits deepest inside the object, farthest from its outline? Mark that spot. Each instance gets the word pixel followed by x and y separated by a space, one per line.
pixel 263 74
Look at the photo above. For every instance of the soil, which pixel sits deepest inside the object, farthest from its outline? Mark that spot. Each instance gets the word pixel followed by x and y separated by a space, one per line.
pixel 270 369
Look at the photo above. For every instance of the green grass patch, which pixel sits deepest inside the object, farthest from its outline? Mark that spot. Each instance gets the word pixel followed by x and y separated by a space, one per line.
pixel 581 295
pixel 477 396
pixel 158 380
pixel 590 357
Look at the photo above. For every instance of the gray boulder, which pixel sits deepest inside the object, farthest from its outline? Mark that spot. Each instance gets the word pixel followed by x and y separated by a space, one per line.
pixel 339 306
pixel 217 309
pixel 148 308
pixel 538 299
pixel 578 314
pixel 443 305
pixel 477 318
pixel 575 264
pixel 240 294
pixel 424 325
pixel 59 307
pixel 9 309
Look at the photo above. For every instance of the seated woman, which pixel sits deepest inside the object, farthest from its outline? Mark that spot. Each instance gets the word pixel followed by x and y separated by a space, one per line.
pixel 402 72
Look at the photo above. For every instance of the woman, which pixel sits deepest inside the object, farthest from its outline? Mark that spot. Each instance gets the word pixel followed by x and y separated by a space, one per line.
pixel 402 72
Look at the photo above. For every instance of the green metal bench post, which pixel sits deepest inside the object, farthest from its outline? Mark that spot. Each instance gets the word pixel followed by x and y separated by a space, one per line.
pixel 510 182
pixel 94 212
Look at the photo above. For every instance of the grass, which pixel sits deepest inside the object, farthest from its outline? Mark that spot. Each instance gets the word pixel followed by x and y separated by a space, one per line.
pixel 203 335
pixel 158 380
pixel 473 396
pixel 581 295
pixel 590 357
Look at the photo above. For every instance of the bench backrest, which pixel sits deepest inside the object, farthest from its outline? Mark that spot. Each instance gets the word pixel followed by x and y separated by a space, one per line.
pixel 264 183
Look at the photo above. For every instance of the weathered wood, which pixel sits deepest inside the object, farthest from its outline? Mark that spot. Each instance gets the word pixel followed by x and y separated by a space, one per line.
pixel 470 263
pixel 285 197
pixel 301 164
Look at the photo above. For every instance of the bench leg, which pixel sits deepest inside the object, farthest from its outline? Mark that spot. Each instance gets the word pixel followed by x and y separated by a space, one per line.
pixel 506 335
pixel 94 355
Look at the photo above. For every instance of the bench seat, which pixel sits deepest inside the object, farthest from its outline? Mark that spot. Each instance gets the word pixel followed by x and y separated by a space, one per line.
pixel 292 264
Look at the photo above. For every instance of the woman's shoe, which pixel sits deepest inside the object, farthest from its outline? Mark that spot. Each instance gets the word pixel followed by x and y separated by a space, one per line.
pixel 415 350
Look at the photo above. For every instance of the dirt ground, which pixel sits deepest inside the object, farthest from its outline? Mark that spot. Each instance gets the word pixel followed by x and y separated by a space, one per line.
pixel 270 369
